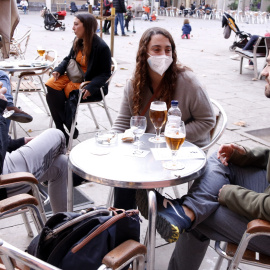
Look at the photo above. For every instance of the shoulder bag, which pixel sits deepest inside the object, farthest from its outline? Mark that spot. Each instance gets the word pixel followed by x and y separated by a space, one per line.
pixel 74 71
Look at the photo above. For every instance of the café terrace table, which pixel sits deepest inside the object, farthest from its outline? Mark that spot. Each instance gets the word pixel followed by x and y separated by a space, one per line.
pixel 115 166
pixel 27 66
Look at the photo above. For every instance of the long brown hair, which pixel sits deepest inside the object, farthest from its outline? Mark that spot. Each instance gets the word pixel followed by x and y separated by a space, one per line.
pixel 141 77
pixel 90 27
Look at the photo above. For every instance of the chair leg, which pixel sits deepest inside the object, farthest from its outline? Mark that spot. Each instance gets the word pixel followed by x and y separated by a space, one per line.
pixel 110 198
pixel 255 69
pixel 93 116
pixel 27 225
pixel 107 112
pixel 241 64
pixel 42 99
pixel 36 218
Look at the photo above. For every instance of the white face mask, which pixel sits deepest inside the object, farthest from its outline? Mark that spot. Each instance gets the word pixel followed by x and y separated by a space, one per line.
pixel 159 63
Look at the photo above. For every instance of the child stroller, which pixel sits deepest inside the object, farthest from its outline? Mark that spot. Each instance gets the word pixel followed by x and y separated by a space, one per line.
pixel 241 37
pixel 53 20
pixel 73 8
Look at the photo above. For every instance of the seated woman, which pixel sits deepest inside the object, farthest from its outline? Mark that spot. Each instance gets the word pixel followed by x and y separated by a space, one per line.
pixel 157 72
pixel 94 57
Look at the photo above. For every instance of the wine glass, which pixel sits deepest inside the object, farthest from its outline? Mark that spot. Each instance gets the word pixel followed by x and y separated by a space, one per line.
pixel 158 116
pixel 138 127
pixel 175 134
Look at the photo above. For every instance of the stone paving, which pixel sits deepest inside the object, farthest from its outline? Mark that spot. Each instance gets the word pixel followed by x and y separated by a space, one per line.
pixel 207 53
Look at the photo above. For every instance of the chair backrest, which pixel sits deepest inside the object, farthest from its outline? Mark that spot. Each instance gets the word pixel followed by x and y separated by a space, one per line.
pixel 18 46
pixel 219 128
pixel 13 257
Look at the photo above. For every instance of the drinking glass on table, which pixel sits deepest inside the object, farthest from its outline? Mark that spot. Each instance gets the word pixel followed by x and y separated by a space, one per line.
pixel 175 134
pixel 138 127
pixel 41 51
pixel 158 116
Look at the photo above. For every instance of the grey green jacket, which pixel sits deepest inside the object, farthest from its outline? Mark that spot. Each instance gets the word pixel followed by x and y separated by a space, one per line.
pixel 197 111
pixel 243 201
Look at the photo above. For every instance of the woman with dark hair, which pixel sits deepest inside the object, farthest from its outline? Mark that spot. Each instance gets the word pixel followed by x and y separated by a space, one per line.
pixel 158 73
pixel 94 57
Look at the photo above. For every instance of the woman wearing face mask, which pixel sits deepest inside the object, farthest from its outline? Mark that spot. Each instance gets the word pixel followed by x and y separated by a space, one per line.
pixel 157 72
pixel 94 57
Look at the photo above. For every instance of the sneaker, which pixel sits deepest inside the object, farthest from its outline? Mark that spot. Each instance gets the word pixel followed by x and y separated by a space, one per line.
pixel 125 35
pixel 107 33
pixel 249 67
pixel 171 218
pixel 235 57
pixel 116 34
pixel 19 115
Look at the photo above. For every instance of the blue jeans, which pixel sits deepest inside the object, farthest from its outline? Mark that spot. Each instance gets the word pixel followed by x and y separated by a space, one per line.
pixel 24 9
pixel 119 17
pixel 250 44
pixel 214 221
pixel 6 83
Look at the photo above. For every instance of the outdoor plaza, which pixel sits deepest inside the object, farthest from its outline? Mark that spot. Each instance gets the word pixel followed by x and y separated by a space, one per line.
pixel 206 53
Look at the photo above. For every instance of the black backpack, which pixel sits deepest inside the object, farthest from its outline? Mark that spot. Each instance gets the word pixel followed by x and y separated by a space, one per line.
pixel 73 241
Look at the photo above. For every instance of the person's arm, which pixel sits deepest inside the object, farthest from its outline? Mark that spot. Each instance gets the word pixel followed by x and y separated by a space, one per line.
pixel 122 121
pixel 194 103
pixel 122 6
pixel 102 69
pixel 61 68
pixel 246 202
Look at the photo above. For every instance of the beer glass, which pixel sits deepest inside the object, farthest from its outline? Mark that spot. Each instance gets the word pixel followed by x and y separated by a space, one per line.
pixel 175 134
pixel 138 127
pixel 158 116
pixel 41 52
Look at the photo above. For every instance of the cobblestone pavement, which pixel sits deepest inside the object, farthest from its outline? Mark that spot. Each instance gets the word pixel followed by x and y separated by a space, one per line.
pixel 207 53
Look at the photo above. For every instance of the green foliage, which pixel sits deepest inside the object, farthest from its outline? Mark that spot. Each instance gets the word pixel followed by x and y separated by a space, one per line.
pixel 233 5
pixel 268 9
pixel 254 5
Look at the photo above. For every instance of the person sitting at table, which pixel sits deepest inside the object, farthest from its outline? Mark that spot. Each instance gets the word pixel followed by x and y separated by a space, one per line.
pixel 43 156
pixel 94 57
pixel 234 189
pixel 18 115
pixel 158 73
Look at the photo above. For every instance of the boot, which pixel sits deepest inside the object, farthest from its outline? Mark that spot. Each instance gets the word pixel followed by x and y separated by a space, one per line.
pixel 188 36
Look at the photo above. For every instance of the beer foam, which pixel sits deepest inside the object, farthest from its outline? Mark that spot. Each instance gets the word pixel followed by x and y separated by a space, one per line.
pixel 158 107
pixel 174 135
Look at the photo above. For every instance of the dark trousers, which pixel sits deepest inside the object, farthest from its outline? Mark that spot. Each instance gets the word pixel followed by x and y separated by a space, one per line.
pixel 107 25
pixel 124 198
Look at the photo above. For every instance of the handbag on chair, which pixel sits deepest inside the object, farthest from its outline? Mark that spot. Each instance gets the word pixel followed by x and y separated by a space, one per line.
pixel 74 71
pixel 76 241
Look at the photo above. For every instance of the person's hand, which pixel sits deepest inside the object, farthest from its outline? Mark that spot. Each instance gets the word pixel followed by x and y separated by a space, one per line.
pixel 86 94
pixel 28 139
pixel 226 150
pixel 221 191
pixel 3 90
pixel 56 75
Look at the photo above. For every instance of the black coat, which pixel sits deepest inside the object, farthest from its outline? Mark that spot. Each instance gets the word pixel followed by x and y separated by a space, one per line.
pixel 119 6
pixel 98 69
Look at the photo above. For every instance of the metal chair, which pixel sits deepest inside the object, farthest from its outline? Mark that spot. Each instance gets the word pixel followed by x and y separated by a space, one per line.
pixel 20 204
pixel 14 258
pixel 51 56
pixel 18 46
pixel 101 103
pixel 240 254
pixel 260 50
pixel 126 253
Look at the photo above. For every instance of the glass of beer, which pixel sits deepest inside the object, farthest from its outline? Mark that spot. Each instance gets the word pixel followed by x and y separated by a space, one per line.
pixel 158 116
pixel 138 127
pixel 175 134
pixel 41 51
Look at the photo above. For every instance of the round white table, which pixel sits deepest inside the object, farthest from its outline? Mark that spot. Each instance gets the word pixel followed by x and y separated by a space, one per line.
pixel 119 168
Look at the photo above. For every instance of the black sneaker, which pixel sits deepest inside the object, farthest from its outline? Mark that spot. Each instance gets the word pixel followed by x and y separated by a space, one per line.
pixel 116 34
pixel 171 218
pixel 125 35
pixel 19 115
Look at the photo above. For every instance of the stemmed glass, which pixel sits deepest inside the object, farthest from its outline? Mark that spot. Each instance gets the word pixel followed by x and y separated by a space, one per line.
pixel 138 127
pixel 41 52
pixel 158 116
pixel 175 134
